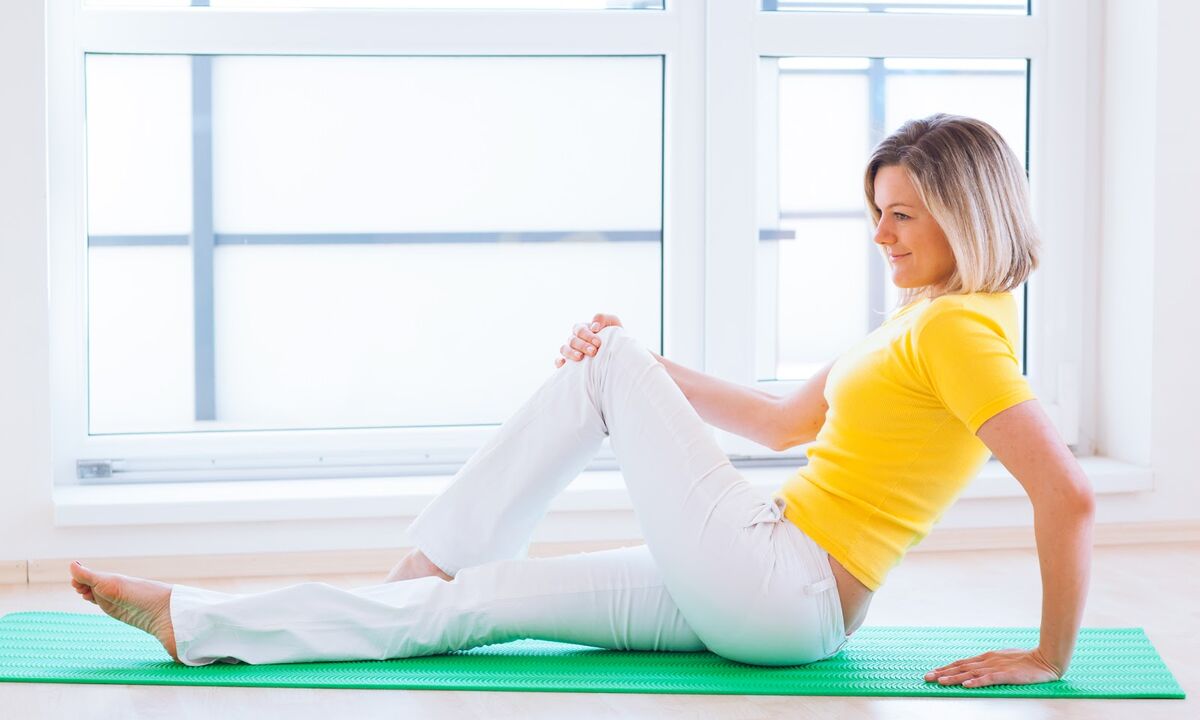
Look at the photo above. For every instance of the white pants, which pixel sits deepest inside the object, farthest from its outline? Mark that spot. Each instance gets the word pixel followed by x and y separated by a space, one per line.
pixel 721 568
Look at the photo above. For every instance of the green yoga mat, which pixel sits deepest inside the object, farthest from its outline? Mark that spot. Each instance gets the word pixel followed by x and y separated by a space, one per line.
pixel 1108 663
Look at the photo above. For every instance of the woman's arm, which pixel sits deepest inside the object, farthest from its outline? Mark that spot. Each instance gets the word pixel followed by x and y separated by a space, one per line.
pixel 744 411
pixel 1024 440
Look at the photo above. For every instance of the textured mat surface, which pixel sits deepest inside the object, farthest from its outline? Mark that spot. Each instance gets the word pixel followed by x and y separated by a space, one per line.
pixel 1108 663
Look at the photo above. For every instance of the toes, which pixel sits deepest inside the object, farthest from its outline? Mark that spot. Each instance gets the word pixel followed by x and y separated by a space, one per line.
pixel 82 574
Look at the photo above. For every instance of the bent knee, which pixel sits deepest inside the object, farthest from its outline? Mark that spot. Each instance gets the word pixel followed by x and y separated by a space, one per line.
pixel 615 338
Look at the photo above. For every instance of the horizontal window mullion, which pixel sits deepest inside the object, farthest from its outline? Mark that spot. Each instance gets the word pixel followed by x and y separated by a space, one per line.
pixel 368 32
pixel 219 445
pixel 894 35
pixel 429 238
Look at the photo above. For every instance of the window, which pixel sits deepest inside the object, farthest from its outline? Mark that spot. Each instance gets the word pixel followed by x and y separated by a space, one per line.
pixel 827 81
pixel 348 241
pixel 272 260
pixel 830 113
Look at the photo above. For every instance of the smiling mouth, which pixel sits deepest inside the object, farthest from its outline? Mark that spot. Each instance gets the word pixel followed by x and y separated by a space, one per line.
pixel 896 257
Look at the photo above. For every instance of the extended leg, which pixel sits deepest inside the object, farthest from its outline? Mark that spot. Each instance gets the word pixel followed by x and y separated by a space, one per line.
pixel 613 599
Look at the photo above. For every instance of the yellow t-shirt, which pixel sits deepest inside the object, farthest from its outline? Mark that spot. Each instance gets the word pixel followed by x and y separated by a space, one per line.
pixel 898 444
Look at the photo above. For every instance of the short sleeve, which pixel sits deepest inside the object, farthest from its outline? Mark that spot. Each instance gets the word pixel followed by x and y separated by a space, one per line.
pixel 970 365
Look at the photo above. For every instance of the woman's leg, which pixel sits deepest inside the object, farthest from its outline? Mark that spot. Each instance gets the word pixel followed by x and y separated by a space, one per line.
pixel 611 599
pixel 751 586
pixel 731 561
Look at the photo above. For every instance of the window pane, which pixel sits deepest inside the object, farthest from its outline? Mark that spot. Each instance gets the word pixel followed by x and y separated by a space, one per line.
pixel 394 241
pixel 820 268
pixel 982 7
pixel 140 349
pixel 826 287
pixel 140 174
pixel 833 108
pixel 402 4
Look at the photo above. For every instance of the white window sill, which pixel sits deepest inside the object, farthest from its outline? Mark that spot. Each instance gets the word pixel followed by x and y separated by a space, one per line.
pixel 201 502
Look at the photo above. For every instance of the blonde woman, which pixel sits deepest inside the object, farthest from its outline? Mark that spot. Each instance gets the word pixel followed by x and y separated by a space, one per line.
pixel 898 425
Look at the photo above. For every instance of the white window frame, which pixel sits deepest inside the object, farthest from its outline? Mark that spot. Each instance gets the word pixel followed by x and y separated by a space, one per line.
pixel 1053 38
pixel 710 53
pixel 675 34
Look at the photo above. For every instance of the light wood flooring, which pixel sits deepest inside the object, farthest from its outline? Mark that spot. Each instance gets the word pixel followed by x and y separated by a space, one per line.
pixel 1152 586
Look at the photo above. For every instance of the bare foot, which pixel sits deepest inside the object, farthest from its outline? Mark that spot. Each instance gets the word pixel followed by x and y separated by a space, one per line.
pixel 415 565
pixel 144 604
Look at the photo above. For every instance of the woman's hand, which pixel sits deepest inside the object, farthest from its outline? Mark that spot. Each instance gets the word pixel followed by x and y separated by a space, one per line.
pixel 584 339
pixel 999 667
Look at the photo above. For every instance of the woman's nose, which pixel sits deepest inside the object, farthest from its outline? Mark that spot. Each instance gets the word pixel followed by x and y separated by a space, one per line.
pixel 883 234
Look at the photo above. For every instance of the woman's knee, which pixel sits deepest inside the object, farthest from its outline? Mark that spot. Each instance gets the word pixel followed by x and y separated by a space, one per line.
pixel 616 339
pixel 607 333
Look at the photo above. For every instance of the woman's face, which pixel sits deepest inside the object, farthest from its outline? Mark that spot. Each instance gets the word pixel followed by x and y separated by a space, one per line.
pixel 919 253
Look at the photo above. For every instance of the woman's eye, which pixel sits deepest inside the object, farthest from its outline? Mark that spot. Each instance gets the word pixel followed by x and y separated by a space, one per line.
pixel 900 216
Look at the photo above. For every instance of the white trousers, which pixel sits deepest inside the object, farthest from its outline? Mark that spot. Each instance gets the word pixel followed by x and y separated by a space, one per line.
pixel 721 568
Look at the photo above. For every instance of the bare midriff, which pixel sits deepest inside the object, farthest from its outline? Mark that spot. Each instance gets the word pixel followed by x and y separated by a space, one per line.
pixel 854 595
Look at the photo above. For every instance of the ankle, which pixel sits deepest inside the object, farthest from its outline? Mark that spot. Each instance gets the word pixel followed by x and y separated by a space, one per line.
pixel 427 565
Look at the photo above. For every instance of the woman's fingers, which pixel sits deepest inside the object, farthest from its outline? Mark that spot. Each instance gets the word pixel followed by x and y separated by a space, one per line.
pixel 603 319
pixel 582 345
pixel 1001 667
pixel 585 341
pixel 959 677
pixel 996 678
pixel 587 334
pixel 957 666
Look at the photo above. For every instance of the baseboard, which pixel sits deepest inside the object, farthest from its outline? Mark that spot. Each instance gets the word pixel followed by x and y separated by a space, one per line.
pixel 1007 538
pixel 334 562
pixel 13 571
pixel 379 561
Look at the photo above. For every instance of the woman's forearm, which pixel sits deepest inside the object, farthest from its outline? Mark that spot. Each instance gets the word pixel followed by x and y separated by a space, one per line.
pixel 1064 541
pixel 741 410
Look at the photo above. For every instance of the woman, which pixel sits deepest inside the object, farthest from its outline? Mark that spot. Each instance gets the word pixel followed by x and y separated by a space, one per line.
pixel 899 424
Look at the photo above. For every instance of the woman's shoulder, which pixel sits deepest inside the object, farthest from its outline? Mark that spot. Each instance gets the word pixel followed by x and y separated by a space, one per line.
pixel 967 304
pixel 996 312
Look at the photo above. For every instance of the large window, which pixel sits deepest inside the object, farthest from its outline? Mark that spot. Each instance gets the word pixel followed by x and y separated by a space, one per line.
pixel 335 242
pixel 309 238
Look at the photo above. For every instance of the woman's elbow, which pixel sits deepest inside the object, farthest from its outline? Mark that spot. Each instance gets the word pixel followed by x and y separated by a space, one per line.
pixel 1073 501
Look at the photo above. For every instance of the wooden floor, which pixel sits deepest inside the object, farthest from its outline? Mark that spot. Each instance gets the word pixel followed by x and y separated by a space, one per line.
pixel 1152 586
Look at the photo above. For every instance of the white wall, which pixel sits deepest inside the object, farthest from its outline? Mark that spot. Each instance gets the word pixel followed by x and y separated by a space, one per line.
pixel 25 510
pixel 1176 240
pixel 1149 336
pixel 1148 383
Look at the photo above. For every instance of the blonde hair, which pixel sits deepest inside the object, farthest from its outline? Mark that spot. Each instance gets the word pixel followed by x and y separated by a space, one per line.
pixel 976 191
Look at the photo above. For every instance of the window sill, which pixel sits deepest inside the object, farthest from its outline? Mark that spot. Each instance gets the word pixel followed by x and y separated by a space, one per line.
pixel 200 502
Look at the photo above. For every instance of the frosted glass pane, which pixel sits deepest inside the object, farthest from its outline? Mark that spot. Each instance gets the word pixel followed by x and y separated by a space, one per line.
pixel 356 335
pixel 822 140
pixel 822 293
pixel 139 144
pixel 405 335
pixel 956 7
pixel 140 352
pixel 998 100
pixel 436 144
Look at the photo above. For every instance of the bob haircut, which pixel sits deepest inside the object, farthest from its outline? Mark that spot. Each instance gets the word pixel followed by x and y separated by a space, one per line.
pixel 976 191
